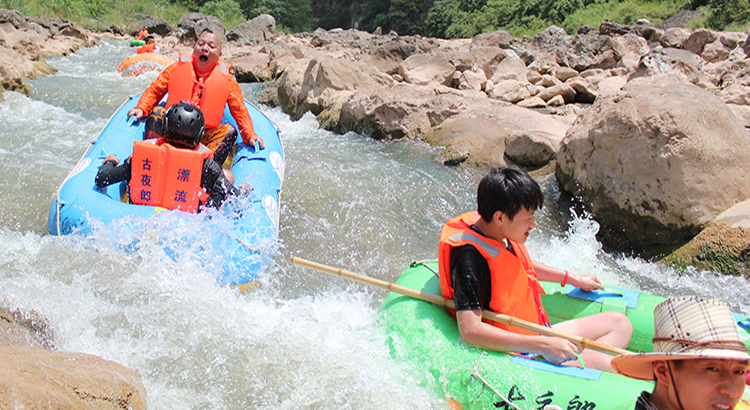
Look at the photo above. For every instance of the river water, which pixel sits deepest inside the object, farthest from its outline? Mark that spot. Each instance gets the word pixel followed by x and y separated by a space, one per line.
pixel 300 339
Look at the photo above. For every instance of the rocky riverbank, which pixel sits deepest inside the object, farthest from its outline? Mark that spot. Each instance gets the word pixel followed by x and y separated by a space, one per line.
pixel 35 376
pixel 25 43
pixel 645 125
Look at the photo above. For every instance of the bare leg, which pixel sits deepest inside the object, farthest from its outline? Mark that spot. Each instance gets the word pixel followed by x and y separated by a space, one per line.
pixel 610 328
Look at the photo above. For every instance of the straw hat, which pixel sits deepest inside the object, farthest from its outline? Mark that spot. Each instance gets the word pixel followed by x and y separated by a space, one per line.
pixel 686 327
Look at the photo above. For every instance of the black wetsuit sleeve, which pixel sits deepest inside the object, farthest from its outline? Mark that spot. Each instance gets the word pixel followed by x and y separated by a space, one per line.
pixel 110 174
pixel 470 273
pixel 216 184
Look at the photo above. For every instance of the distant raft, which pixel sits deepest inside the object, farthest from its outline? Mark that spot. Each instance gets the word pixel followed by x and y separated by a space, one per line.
pixel 138 64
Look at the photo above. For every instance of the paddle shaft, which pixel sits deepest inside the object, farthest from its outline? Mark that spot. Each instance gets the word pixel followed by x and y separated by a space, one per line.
pixel 438 300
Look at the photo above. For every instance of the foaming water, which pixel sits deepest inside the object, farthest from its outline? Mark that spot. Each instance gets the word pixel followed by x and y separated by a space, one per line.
pixel 144 292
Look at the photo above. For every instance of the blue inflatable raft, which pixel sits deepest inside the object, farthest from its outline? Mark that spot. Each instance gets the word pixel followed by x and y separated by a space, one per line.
pixel 79 201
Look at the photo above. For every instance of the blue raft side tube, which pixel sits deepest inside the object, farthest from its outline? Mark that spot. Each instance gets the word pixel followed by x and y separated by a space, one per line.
pixel 79 199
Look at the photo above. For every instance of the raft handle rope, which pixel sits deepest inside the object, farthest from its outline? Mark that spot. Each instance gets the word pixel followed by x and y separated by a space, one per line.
pixel 424 263
pixel 476 374
pixel 76 170
pixel 59 188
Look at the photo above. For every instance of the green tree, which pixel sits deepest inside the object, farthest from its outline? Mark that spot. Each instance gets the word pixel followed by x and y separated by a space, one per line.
pixel 334 13
pixel 727 13
pixel 292 15
pixel 373 15
pixel 441 17
pixel 228 11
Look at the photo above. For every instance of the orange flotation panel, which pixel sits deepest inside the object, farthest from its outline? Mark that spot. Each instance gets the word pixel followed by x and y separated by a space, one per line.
pixel 140 63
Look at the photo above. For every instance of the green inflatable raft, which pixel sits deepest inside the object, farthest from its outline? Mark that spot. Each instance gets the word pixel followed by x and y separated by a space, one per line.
pixel 426 336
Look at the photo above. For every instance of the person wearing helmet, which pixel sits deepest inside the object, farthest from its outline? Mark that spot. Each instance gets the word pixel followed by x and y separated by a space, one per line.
pixel 205 81
pixel 173 172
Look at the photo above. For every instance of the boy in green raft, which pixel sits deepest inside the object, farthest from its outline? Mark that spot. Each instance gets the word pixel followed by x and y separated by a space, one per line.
pixel 484 264
pixel 699 361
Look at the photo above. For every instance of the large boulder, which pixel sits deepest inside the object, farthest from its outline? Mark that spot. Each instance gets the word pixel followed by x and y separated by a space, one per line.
pixel 655 166
pixel 324 83
pixel 401 112
pixel 502 39
pixel 191 25
pixel 154 25
pixel 424 69
pixel 495 133
pixel 255 31
pixel 579 52
pixel 252 67
pixel 32 378
pixel 387 56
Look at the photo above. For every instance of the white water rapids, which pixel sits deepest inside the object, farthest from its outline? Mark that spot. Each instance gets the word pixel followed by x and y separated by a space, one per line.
pixel 300 339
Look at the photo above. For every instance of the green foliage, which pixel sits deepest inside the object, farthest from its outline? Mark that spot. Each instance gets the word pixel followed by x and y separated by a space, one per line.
pixel 436 18
pixel 228 11
pixel 405 17
pixel 97 14
pixel 372 15
pixel 450 19
pixel 295 15
pixel 728 12
pixel 621 12
pixel 78 9
pixel 332 13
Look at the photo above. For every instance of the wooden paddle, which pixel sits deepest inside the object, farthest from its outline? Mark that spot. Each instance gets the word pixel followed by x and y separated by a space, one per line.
pixel 438 300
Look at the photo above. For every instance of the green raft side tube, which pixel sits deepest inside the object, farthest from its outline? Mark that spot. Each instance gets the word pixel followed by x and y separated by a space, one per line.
pixel 564 304
pixel 426 337
pixel 137 43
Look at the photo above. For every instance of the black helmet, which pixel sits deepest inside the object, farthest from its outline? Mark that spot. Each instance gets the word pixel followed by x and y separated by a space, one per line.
pixel 184 125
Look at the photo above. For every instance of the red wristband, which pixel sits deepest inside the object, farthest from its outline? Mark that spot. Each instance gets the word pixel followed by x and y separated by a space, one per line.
pixel 565 281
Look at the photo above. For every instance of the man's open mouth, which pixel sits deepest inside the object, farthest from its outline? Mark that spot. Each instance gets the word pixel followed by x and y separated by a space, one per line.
pixel 203 59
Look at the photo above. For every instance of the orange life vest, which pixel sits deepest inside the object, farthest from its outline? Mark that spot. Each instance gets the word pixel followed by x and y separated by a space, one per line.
pixel 515 286
pixel 146 48
pixel 165 176
pixel 213 96
pixel 141 34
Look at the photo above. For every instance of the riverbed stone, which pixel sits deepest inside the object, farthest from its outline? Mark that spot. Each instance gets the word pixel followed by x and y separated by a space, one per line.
pixel 723 246
pixel 32 378
pixel 257 30
pixel 424 69
pixel 654 166
pixel 532 149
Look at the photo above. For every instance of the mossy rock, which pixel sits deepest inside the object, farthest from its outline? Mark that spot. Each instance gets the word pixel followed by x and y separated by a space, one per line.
pixel 718 248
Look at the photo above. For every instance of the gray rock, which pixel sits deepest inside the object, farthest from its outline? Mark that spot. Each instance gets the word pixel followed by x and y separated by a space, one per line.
pixel 255 31
pixel 655 166
pixel 192 24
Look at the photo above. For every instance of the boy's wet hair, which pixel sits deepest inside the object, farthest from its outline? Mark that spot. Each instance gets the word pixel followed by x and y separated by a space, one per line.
pixel 508 190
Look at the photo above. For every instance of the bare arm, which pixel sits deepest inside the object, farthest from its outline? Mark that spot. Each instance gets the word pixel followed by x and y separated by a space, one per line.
pixel 238 110
pixel 475 332
pixel 153 94
pixel 550 274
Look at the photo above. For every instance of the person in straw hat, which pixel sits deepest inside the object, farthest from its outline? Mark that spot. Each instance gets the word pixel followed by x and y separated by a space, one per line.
pixel 698 362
